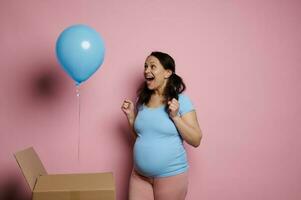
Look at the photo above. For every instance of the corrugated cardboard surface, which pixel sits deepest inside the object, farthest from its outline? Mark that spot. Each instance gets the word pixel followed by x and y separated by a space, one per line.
pixel 75 186
pixel 84 195
pixel 30 165
pixel 88 186
pixel 75 182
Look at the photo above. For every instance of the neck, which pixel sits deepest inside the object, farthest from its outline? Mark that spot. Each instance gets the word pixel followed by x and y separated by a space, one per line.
pixel 160 90
pixel 158 93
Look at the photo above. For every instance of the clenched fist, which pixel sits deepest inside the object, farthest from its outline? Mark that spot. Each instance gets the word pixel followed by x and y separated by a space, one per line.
pixel 128 108
pixel 173 108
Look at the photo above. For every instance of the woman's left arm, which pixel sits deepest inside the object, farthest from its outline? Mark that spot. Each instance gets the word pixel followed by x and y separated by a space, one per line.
pixel 187 124
pixel 189 128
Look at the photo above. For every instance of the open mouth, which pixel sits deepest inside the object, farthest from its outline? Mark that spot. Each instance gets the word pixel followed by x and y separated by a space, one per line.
pixel 149 79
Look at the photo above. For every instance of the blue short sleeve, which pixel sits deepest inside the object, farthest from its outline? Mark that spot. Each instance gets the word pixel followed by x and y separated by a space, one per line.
pixel 185 104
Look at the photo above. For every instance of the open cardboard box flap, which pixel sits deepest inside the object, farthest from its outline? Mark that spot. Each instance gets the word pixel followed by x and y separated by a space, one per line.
pixel 30 165
pixel 63 186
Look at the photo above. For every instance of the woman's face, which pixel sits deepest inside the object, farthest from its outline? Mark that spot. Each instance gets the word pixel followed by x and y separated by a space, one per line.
pixel 154 73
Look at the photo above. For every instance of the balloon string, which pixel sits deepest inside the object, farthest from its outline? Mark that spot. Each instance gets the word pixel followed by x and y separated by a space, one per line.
pixel 78 141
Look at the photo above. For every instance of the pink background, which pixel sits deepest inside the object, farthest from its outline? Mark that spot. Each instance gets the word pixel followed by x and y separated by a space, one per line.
pixel 240 61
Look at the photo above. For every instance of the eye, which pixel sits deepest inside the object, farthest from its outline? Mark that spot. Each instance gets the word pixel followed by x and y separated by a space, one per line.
pixel 145 66
pixel 153 66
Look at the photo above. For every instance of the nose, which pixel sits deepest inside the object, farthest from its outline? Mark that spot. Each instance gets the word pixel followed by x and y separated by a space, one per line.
pixel 146 70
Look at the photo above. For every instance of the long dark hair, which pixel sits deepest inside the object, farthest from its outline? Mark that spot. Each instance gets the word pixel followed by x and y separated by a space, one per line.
pixel 174 86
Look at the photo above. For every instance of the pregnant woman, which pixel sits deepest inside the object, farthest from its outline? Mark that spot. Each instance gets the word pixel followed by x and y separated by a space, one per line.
pixel 162 118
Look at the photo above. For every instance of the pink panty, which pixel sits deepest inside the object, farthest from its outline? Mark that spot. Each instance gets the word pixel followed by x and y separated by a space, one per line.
pixel 165 188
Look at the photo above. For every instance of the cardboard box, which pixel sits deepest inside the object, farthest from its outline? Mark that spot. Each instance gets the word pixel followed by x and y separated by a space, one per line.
pixel 89 186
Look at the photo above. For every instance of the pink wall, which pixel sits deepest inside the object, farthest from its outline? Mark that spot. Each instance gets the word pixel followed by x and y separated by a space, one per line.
pixel 239 59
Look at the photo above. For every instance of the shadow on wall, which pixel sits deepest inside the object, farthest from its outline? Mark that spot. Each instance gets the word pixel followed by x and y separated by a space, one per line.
pixel 41 86
pixel 12 189
pixel 46 84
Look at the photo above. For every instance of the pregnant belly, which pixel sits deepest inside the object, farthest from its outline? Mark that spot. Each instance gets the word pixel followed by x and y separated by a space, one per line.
pixel 154 157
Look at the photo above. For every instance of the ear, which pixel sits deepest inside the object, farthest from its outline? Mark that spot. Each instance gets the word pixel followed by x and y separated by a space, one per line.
pixel 168 73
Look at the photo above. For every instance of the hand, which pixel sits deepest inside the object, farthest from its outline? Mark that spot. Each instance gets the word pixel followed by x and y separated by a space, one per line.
pixel 128 108
pixel 173 108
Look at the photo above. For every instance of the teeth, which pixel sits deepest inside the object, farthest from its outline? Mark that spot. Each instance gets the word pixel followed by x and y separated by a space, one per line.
pixel 149 76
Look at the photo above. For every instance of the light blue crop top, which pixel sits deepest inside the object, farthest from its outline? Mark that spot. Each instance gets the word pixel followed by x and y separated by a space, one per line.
pixel 159 150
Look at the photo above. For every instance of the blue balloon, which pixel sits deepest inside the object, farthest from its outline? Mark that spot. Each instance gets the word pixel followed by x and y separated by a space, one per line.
pixel 80 51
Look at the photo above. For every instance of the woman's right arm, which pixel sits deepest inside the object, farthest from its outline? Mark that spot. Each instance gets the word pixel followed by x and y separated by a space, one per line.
pixel 131 124
pixel 128 108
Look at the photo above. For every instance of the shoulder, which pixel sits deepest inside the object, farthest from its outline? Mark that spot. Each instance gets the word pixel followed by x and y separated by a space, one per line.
pixel 186 104
pixel 183 97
